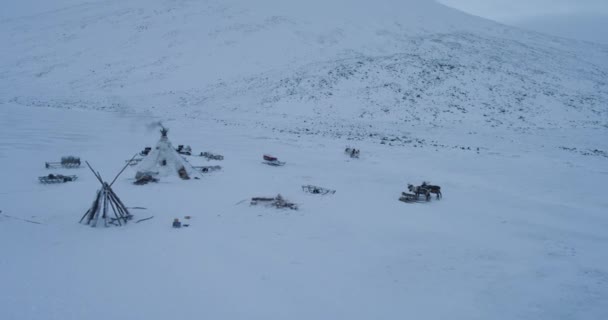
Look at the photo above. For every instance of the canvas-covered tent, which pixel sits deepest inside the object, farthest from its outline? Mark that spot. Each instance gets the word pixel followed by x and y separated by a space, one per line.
pixel 164 161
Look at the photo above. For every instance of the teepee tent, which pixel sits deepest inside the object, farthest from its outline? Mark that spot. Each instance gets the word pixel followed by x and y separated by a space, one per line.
pixel 105 201
pixel 163 160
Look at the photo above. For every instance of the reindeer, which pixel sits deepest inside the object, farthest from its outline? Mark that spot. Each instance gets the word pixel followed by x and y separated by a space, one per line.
pixel 432 189
pixel 418 191
pixel 352 152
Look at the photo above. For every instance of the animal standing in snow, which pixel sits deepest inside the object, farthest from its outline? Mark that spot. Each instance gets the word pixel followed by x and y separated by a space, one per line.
pixel 352 152
pixel 418 191
pixel 432 189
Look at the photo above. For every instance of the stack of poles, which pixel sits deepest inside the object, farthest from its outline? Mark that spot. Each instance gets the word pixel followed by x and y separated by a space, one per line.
pixel 106 198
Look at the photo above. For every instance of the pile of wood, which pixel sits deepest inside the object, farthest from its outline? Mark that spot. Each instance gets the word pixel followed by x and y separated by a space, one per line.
pixel 106 206
pixel 145 177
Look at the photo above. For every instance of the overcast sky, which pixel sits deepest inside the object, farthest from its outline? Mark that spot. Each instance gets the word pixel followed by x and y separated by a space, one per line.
pixel 579 19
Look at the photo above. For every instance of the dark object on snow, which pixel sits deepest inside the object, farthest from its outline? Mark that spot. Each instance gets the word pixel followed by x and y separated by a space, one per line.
pixel 432 189
pixel 184 150
pixel 145 177
pixel 352 152
pixel 418 191
pixel 317 190
pixel 66 162
pixel 145 152
pixel 183 173
pixel 272 161
pixel 269 158
pixel 56 178
pixel 105 201
pixel 211 156
pixel 177 223
pixel 278 202
pixel 206 169
pixel 144 219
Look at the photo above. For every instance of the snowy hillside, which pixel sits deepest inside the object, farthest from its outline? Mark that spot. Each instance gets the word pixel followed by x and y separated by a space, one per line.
pixel 405 62
pixel 513 125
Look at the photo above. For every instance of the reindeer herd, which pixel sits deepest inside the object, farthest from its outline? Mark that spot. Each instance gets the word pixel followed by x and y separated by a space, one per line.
pixel 425 189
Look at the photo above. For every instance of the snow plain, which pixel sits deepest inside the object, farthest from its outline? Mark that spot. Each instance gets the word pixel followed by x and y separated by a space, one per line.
pixel 511 124
pixel 518 235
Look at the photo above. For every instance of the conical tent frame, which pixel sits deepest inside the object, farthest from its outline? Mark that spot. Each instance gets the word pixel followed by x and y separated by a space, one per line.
pixel 106 201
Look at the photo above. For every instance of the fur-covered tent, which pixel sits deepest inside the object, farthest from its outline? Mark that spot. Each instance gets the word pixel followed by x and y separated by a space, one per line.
pixel 164 161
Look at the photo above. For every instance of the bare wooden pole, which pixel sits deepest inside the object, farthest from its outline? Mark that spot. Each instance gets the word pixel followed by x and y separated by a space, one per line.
pixel 123 169
pixel 95 173
pixel 105 210
pixel 118 218
pixel 121 206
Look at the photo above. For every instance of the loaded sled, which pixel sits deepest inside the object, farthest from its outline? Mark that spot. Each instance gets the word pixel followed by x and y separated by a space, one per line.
pixel 145 152
pixel 56 178
pixel 66 162
pixel 145 177
pixel 272 161
pixel 278 202
pixel 412 198
pixel 211 156
pixel 184 150
pixel 317 190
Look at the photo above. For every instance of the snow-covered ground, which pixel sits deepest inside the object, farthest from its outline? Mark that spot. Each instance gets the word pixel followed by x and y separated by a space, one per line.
pixel 518 235
pixel 513 125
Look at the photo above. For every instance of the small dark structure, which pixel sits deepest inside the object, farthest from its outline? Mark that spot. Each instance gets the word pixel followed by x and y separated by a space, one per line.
pixel 66 162
pixel 278 202
pixel 105 201
pixel 56 178
pixel 176 223
pixel 317 190
pixel 272 161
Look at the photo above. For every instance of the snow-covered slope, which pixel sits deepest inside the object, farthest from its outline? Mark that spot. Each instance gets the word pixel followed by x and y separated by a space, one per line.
pixel 402 62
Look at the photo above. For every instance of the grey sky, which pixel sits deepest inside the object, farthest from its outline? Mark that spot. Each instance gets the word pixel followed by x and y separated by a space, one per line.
pixel 578 19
